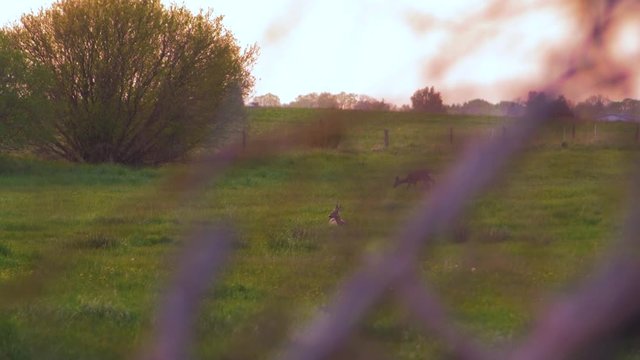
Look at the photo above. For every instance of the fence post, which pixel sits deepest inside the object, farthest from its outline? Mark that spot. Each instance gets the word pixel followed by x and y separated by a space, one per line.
pixel 450 134
pixel 504 132
pixel 573 131
pixel 637 133
pixel 595 131
pixel 386 138
pixel 564 133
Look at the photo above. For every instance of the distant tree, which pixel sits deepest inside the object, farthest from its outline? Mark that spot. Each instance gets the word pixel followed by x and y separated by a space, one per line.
pixel 267 100
pixel 327 101
pixel 346 100
pixel 134 82
pixel 369 103
pixel 538 104
pixel 592 107
pixel 477 107
pixel 631 107
pixel 427 100
pixel 323 100
pixel 561 108
pixel 453 109
pixel 305 101
pixel 510 108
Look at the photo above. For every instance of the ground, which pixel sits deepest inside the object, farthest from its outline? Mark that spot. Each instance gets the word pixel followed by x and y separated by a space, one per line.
pixel 86 249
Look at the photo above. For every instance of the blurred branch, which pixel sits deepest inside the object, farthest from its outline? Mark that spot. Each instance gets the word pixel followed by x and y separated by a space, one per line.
pixel 477 168
pixel 604 303
pixel 426 310
pixel 201 261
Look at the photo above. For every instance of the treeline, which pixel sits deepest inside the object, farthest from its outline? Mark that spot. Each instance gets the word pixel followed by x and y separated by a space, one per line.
pixel 429 100
pixel 325 100
pixel 596 107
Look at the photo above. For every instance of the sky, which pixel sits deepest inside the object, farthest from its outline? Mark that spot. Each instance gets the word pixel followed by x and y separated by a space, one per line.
pixel 388 49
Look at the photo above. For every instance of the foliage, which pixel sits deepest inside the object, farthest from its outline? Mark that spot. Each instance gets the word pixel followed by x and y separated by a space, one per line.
pixel 266 100
pixel 327 101
pixel 22 101
pixel 539 104
pixel 597 106
pixel 510 108
pixel 134 82
pixel 323 100
pixel 427 100
pixel 305 101
pixel 370 104
pixel 343 100
pixel 483 107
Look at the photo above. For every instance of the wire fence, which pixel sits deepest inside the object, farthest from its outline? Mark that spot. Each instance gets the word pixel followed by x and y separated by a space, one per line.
pixel 605 302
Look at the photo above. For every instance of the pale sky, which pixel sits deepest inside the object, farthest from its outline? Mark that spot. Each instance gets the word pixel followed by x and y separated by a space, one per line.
pixel 389 48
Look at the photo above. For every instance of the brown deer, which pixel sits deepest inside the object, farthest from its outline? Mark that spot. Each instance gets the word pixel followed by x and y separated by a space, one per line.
pixel 335 218
pixel 414 177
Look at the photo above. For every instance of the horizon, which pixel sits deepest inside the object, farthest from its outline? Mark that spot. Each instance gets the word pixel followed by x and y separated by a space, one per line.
pixel 388 51
pixel 520 100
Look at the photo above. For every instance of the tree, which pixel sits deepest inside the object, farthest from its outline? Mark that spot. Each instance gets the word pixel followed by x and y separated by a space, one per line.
pixel 427 100
pixel 561 108
pixel 327 101
pixel 369 103
pixel 477 107
pixel 510 108
pixel 305 101
pixel 538 104
pixel 346 100
pixel 267 100
pixel 134 82
pixel 22 101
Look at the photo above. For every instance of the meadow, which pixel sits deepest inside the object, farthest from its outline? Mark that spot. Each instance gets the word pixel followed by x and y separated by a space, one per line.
pixel 85 250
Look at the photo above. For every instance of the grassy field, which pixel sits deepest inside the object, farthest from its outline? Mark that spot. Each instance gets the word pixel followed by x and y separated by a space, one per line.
pixel 100 238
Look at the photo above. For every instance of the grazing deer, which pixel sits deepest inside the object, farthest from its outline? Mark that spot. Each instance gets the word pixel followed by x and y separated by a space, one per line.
pixel 335 218
pixel 413 178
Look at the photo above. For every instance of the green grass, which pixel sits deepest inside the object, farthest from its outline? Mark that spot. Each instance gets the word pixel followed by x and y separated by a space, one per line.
pixel 102 237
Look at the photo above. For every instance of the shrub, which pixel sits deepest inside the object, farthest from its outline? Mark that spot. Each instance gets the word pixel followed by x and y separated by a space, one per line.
pixel 134 82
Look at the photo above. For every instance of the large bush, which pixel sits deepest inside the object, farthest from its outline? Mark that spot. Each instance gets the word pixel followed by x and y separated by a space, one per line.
pixel 134 82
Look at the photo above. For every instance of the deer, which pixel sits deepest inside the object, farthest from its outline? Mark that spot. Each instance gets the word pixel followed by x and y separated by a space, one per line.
pixel 335 218
pixel 414 177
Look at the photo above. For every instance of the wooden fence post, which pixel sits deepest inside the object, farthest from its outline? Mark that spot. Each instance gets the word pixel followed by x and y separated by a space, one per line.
pixel 564 134
pixel 450 134
pixel 595 131
pixel 386 138
pixel 573 131
pixel 637 133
